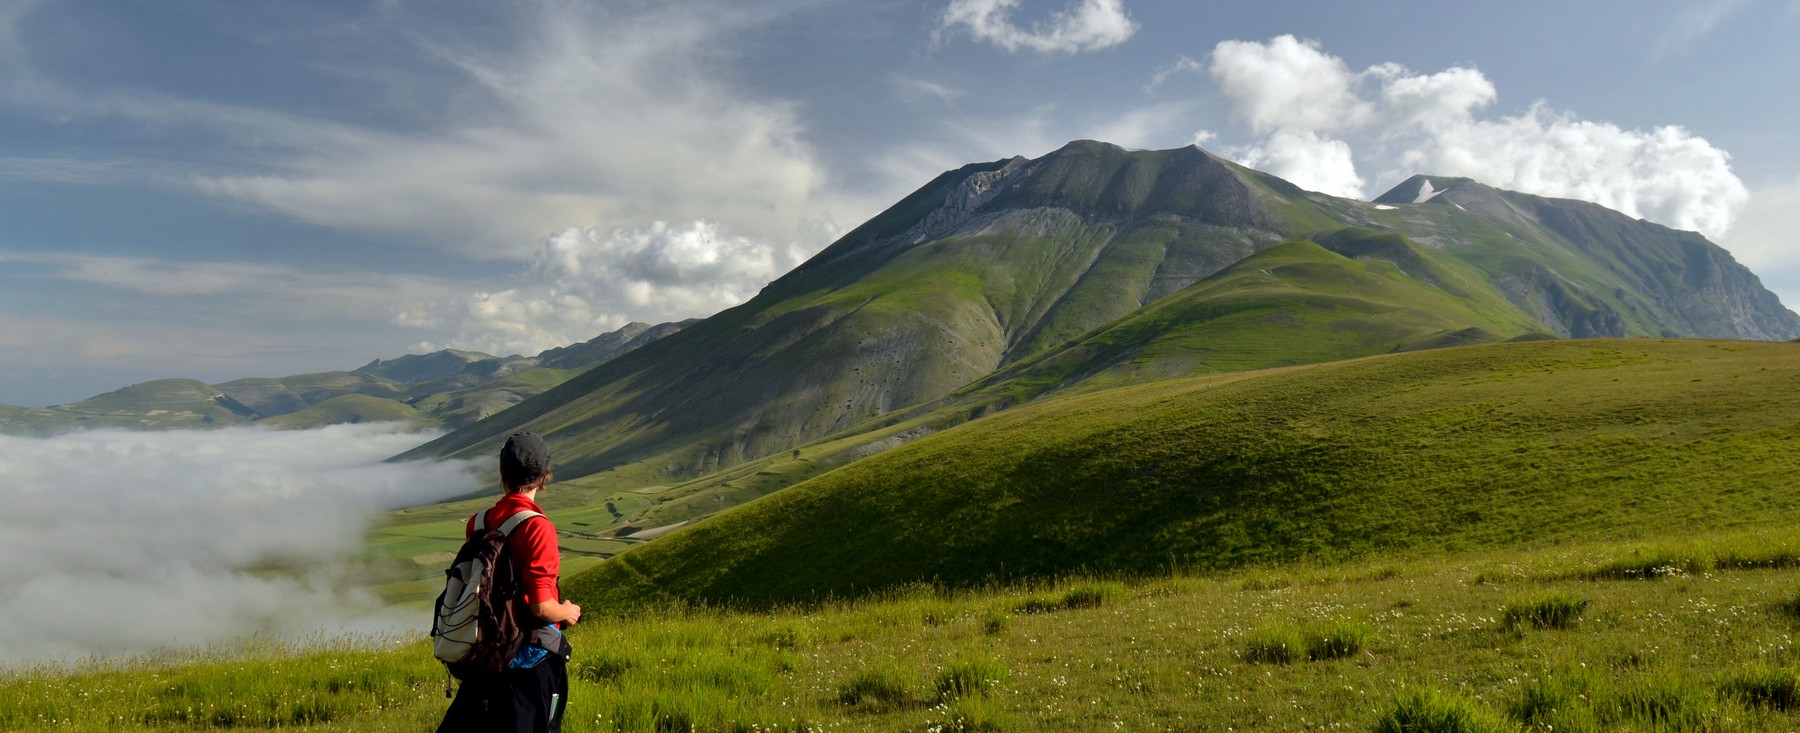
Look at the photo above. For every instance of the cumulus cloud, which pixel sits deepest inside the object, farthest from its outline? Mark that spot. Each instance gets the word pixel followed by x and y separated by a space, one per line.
pixel 1305 159
pixel 1288 84
pixel 1090 25
pixel 1316 120
pixel 583 282
pixel 122 542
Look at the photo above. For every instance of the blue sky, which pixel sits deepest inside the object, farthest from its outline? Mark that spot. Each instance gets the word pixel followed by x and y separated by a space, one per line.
pixel 221 190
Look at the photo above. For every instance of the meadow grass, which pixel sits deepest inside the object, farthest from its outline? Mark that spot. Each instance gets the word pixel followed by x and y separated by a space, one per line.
pixel 1546 611
pixel 1711 650
pixel 1413 454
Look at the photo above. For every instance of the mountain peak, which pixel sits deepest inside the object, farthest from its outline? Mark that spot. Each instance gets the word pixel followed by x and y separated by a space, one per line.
pixel 1422 188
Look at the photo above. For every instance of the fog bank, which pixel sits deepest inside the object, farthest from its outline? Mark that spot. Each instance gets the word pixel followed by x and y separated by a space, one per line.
pixel 121 542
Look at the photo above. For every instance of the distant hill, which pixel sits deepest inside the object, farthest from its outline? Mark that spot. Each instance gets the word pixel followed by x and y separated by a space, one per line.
pixel 447 388
pixel 1094 266
pixel 1452 449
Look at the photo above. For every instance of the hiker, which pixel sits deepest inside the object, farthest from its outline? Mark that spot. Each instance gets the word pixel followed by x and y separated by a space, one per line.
pixel 529 696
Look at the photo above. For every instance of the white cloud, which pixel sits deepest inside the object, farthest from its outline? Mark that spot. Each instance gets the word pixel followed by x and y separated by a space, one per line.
pixel 1090 25
pixel 1319 120
pixel 121 543
pixel 1306 160
pixel 1765 240
pixel 1288 84
pixel 584 282
pixel 1665 174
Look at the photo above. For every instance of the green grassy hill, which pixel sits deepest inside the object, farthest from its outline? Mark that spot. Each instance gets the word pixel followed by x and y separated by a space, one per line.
pixel 1455 449
pixel 346 409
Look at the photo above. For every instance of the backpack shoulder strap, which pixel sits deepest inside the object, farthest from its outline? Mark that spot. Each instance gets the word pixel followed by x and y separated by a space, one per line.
pixel 515 520
pixel 480 522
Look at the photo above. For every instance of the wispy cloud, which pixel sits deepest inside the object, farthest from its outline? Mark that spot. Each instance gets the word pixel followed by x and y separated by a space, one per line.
pixel 1088 25
pixel 916 90
pixel 12 14
pixel 589 118
pixel 1182 65
pixel 1696 21
pixel 183 529
pixel 271 289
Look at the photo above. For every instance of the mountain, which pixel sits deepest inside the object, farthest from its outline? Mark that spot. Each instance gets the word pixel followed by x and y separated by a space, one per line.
pixel 447 388
pixel 1665 282
pixel 1022 277
pixel 1420 453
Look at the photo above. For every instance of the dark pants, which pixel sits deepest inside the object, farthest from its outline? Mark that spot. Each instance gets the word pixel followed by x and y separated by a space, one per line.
pixel 514 701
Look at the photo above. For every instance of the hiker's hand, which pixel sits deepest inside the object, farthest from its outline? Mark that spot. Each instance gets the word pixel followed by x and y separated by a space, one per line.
pixel 557 612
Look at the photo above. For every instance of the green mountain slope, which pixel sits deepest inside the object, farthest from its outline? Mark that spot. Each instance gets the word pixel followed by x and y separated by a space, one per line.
pixel 1013 258
pixel 1355 293
pixel 1075 267
pixel 1296 303
pixel 1484 446
pixel 1587 270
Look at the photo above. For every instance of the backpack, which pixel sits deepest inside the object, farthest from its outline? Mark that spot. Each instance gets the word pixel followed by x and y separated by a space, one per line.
pixel 475 629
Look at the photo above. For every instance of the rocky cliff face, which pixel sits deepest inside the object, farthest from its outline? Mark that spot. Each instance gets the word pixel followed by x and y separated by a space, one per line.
pixel 1628 277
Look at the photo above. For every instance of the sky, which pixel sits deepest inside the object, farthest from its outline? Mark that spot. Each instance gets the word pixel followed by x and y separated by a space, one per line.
pixel 225 190
pixel 169 541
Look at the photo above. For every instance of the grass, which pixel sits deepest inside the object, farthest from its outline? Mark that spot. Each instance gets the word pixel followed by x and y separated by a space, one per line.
pixel 1700 652
pixel 1317 642
pixel 1762 685
pixel 967 677
pixel 1420 453
pixel 1429 711
pixel 1549 611
pixel 880 686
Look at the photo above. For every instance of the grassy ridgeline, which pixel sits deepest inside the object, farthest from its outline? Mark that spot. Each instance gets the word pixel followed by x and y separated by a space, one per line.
pixel 1456 449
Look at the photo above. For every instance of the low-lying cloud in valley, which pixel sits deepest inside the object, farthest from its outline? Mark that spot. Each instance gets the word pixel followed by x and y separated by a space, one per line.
pixel 121 542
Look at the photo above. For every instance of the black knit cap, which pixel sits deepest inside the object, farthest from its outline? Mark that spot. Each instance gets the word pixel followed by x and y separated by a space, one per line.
pixel 523 460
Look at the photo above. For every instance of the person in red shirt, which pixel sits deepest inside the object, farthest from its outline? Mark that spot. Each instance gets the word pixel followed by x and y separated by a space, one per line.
pixel 530 695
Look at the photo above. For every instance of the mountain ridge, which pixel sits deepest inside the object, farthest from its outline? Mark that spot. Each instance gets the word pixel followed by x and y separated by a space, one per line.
pixel 449 387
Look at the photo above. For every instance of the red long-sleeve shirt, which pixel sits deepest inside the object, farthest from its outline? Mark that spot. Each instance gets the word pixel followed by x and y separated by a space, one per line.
pixel 532 546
